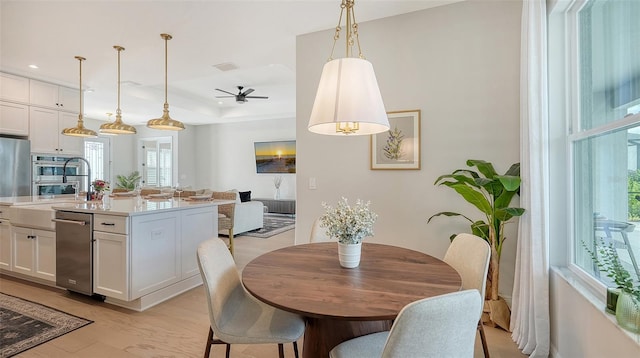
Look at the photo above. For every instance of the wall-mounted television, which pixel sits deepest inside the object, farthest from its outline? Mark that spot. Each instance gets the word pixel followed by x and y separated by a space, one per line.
pixel 275 156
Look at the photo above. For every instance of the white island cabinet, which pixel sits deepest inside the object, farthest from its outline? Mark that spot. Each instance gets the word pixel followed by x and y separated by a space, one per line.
pixel 143 255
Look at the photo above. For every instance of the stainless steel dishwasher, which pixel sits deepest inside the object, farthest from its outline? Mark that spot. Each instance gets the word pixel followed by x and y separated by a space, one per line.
pixel 74 251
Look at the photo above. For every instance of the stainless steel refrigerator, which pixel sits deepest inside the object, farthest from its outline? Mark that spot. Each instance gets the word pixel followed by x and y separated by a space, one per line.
pixel 15 167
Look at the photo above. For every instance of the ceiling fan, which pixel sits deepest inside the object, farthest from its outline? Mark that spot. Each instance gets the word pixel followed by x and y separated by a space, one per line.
pixel 241 97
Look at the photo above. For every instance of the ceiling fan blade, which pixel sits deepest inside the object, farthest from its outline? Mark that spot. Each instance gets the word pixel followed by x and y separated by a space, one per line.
pixel 248 91
pixel 261 97
pixel 218 89
pixel 224 96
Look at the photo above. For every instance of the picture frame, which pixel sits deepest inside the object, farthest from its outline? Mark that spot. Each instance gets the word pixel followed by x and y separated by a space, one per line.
pixel 399 147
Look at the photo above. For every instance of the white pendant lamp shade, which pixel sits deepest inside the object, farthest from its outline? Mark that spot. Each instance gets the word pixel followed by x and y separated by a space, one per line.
pixel 348 96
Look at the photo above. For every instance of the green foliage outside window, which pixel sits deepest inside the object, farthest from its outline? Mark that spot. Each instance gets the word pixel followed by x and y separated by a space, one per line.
pixel 634 190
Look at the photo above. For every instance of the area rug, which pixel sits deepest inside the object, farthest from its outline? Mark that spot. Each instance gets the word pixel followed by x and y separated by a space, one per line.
pixel 273 224
pixel 25 324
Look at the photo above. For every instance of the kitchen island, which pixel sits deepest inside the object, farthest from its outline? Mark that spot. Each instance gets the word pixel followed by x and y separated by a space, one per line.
pixel 144 250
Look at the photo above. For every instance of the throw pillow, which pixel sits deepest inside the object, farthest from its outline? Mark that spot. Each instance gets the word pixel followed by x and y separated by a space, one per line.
pixel 245 196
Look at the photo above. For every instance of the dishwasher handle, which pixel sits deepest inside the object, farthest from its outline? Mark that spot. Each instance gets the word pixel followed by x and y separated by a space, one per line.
pixel 75 222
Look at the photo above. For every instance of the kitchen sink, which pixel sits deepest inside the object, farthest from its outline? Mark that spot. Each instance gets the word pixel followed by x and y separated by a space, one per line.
pixel 34 216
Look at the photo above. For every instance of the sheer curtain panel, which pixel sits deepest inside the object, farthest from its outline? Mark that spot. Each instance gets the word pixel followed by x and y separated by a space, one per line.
pixel 530 314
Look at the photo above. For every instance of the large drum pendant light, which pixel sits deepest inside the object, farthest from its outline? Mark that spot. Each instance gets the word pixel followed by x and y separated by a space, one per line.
pixel 348 100
pixel 118 127
pixel 79 130
pixel 165 122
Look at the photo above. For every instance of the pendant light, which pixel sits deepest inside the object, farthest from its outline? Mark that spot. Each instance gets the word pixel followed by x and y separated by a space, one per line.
pixel 117 127
pixel 79 130
pixel 165 122
pixel 348 100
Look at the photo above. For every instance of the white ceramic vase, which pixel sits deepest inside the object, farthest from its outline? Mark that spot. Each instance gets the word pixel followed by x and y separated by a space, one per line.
pixel 349 254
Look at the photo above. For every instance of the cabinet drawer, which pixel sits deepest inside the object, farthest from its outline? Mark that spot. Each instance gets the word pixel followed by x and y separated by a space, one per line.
pixel 109 223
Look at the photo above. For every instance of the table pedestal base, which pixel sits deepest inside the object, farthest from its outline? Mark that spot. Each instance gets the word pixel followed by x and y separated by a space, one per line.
pixel 321 335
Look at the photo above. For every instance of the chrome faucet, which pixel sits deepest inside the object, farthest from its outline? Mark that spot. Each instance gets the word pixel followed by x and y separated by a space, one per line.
pixel 64 174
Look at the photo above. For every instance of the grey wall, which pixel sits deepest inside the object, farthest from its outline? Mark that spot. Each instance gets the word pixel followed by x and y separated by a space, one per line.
pixel 458 64
pixel 226 159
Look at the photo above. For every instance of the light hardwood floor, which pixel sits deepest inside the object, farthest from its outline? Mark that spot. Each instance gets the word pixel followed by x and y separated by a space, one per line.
pixel 175 328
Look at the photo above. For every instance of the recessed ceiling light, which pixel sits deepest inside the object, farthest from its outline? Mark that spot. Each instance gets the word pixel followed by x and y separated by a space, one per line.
pixel 220 102
pixel 34 66
pixel 89 90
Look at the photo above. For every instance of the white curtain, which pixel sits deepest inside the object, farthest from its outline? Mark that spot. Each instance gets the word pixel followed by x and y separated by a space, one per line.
pixel 530 305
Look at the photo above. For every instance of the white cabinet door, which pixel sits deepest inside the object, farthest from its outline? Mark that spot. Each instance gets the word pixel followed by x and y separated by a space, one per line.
pixel 43 94
pixel 110 265
pixel 46 126
pixel 53 96
pixel 198 225
pixel 5 245
pixel 67 144
pixel 43 124
pixel 155 252
pixel 44 254
pixel 14 88
pixel 69 99
pixel 14 118
pixel 23 242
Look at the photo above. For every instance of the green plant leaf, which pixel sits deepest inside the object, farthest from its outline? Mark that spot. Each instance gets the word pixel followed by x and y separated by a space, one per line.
pixel 509 182
pixel 447 213
pixel 514 170
pixel 474 197
pixel 484 167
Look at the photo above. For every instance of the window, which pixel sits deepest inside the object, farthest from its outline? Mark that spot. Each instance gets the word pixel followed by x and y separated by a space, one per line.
pixel 157 157
pixel 605 137
pixel 96 152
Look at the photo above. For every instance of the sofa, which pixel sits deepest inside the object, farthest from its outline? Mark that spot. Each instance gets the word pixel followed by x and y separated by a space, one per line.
pixel 248 215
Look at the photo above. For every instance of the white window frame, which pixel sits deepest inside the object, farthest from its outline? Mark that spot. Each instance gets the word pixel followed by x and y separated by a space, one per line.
pixel 571 83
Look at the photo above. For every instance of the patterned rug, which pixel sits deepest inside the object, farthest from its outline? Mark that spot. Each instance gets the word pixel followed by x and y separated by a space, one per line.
pixel 273 224
pixel 25 324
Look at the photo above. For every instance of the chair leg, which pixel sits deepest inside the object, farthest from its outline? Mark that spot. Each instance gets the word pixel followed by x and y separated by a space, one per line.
pixel 231 241
pixel 280 350
pixel 295 349
pixel 207 350
pixel 228 350
pixel 483 338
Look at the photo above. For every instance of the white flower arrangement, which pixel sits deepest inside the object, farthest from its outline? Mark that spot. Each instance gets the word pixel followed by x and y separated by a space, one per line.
pixel 348 224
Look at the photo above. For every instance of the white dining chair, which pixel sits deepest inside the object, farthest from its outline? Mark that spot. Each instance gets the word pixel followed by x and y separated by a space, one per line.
pixel 441 326
pixel 470 255
pixel 234 314
pixel 318 234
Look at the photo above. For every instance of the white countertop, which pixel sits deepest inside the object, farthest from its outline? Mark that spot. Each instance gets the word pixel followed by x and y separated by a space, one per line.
pixel 36 200
pixel 131 206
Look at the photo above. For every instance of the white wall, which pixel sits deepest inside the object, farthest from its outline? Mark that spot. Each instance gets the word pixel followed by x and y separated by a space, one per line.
pixel 458 64
pixel 226 158
pixel 580 329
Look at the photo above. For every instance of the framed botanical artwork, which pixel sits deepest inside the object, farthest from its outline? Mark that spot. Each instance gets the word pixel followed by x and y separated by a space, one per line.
pixel 399 147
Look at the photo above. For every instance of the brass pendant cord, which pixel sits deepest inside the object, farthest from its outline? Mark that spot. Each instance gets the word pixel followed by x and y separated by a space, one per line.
pixel 117 127
pixel 118 111
pixel 351 30
pixel 80 59
pixel 166 38
pixel 165 122
pixel 79 130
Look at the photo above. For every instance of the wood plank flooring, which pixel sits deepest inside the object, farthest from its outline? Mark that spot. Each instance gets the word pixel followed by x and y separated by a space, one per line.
pixel 175 328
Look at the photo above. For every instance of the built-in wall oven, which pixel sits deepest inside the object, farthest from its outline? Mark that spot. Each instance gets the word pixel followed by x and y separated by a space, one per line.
pixel 48 172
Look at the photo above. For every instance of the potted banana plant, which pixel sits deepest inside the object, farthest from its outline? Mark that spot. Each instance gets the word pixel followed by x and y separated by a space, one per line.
pixel 491 194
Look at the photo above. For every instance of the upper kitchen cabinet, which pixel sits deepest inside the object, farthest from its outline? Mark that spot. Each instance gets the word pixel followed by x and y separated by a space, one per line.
pixel 14 88
pixel 46 132
pixel 48 95
pixel 14 118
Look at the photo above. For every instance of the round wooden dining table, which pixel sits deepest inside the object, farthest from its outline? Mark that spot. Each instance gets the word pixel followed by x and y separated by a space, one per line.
pixel 340 303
